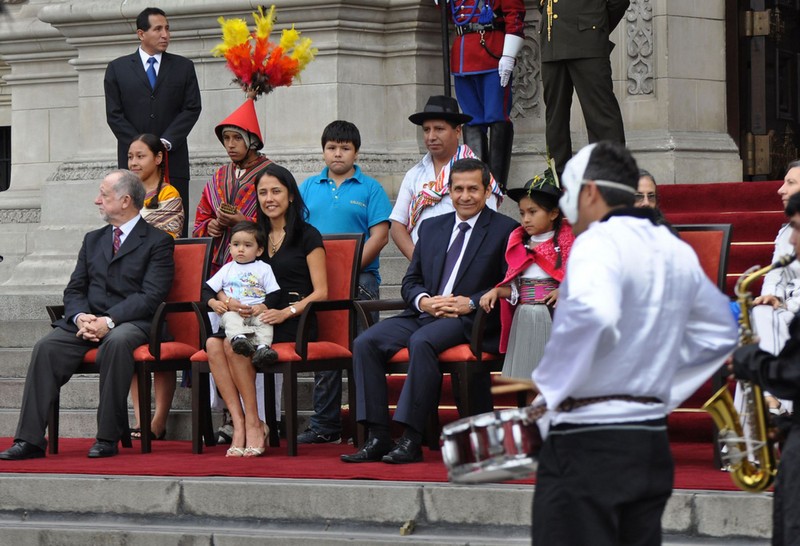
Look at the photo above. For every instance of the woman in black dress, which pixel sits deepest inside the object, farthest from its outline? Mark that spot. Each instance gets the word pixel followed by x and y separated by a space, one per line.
pixel 297 257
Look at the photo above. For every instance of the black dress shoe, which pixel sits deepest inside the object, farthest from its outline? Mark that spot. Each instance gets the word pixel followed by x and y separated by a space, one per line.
pixel 22 450
pixel 372 451
pixel 407 451
pixel 101 448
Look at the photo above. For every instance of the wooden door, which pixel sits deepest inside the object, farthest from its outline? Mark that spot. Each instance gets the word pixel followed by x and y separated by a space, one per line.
pixel 763 39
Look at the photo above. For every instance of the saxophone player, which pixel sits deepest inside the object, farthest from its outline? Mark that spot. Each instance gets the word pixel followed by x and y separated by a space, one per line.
pixel 781 376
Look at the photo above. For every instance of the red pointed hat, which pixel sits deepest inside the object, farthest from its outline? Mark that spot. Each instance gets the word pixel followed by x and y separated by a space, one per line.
pixel 244 118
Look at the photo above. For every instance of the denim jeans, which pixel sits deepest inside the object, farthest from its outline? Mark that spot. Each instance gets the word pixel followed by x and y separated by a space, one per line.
pixel 327 397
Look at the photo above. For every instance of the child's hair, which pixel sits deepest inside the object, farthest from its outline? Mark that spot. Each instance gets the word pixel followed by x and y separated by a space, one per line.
pixel 341 131
pixel 156 146
pixel 549 203
pixel 252 228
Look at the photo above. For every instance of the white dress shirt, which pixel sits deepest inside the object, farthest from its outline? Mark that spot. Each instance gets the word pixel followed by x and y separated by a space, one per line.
pixel 636 316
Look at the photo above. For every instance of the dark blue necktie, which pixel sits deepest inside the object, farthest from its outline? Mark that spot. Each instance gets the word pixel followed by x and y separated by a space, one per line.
pixel 151 71
pixel 452 255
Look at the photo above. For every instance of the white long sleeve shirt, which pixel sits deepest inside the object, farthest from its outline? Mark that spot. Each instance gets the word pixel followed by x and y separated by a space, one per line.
pixel 636 316
pixel 784 282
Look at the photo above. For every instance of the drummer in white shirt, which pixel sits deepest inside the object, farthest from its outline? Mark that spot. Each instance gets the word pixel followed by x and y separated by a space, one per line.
pixel 638 328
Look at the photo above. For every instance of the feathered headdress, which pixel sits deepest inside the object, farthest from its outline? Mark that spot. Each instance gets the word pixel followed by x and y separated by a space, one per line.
pixel 258 64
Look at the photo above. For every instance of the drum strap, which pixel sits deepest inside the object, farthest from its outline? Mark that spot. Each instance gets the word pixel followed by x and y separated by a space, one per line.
pixel 572 403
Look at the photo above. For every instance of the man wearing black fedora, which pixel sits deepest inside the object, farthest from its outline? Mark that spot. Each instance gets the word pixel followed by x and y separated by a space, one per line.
pixel 425 191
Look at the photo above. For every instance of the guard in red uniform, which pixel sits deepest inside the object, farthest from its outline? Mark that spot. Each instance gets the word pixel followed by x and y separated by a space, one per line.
pixel 489 35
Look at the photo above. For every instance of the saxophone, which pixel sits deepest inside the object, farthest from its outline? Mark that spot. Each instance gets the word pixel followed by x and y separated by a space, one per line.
pixel 750 458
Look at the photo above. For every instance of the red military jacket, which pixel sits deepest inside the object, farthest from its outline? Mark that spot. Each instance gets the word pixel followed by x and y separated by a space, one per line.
pixel 468 56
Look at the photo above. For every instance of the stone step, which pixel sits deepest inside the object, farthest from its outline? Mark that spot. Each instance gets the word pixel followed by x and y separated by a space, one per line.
pixel 42 508
pixel 14 362
pixel 81 391
pixel 83 423
pixel 20 333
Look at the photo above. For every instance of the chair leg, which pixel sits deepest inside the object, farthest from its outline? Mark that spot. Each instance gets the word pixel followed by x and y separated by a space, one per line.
pixel 269 409
pixel 197 413
pixel 291 412
pixel 145 414
pixel 52 425
pixel 433 431
pixel 207 425
pixel 358 432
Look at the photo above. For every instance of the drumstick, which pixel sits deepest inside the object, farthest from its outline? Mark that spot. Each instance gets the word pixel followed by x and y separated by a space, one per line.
pixel 505 389
pixel 511 380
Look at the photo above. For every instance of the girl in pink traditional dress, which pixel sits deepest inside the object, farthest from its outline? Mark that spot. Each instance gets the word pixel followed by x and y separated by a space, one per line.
pixel 537 256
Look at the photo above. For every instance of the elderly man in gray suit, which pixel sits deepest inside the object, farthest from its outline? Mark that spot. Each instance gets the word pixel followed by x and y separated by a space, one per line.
pixel 124 272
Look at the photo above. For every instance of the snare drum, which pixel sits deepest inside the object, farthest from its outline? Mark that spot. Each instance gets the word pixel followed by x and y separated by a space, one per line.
pixel 493 447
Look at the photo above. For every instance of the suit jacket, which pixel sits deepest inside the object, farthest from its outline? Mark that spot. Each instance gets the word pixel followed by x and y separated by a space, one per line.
pixel 581 28
pixel 482 266
pixel 169 111
pixel 128 286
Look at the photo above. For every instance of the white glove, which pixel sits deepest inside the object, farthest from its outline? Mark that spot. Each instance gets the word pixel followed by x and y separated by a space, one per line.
pixel 511 46
pixel 167 144
pixel 505 67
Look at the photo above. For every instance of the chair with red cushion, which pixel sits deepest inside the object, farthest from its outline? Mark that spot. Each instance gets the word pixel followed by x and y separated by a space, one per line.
pixel 332 350
pixel 179 312
pixel 711 243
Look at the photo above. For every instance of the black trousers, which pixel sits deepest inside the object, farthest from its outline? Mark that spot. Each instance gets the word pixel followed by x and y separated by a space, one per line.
pixel 603 485
pixel 591 79
pixel 54 360
pixel 786 502
pixel 425 338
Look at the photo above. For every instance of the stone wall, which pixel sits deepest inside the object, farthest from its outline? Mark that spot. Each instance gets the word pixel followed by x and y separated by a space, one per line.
pixel 378 62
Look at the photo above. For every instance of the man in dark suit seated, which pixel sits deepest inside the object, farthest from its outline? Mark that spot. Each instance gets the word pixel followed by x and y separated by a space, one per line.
pixel 152 91
pixel 458 257
pixel 124 272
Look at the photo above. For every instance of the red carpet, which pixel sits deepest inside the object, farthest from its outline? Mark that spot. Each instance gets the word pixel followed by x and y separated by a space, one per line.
pixel 693 464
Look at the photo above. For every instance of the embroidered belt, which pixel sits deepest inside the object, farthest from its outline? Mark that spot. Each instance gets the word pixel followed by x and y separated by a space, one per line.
pixel 534 291
pixel 478 27
pixel 573 403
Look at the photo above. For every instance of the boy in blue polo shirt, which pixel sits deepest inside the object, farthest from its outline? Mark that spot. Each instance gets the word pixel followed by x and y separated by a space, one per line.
pixel 342 199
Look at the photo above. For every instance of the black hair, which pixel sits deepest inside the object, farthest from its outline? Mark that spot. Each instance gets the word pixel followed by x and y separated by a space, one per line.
pixel 155 145
pixel 793 205
pixel 296 214
pixel 613 162
pixel 469 164
pixel 143 19
pixel 549 203
pixel 254 229
pixel 341 131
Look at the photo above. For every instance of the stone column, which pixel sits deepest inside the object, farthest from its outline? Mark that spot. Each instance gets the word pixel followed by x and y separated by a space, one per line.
pixel 669 77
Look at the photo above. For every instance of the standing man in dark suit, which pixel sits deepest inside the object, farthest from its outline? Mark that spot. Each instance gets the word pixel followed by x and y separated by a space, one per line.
pixel 458 257
pixel 574 38
pixel 152 91
pixel 124 272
